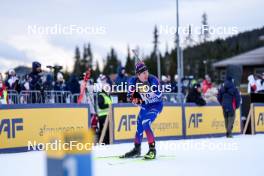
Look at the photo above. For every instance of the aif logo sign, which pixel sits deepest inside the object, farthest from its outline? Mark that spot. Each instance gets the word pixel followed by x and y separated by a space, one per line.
pixel 127 121
pixel 11 127
pixel 195 119
pixel 260 119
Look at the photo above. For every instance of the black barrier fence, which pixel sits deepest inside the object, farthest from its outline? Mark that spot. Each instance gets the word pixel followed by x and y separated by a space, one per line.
pixel 66 97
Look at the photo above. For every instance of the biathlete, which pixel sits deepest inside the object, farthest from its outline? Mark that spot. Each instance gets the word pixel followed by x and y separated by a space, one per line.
pixel 148 96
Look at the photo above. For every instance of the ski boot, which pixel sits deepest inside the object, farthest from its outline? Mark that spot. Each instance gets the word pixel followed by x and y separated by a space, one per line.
pixel 151 153
pixel 229 135
pixel 134 153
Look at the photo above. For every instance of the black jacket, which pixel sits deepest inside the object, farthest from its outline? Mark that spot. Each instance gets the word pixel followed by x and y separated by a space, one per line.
pixel 35 81
pixel 195 97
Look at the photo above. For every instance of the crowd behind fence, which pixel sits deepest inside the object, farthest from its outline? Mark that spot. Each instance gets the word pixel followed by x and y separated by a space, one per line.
pixel 66 97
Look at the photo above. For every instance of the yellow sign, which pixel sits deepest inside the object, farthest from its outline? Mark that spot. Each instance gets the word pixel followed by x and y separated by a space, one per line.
pixel 208 120
pixel 78 142
pixel 167 124
pixel 24 127
pixel 259 118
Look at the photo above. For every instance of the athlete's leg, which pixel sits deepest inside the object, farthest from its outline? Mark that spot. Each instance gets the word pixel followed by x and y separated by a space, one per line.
pixel 136 151
pixel 139 132
pixel 149 118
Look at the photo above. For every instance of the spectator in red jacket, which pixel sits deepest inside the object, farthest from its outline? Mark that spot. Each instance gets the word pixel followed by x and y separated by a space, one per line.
pixel 3 91
pixel 207 84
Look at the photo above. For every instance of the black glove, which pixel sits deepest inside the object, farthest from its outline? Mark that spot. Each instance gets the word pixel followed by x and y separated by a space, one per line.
pixel 136 98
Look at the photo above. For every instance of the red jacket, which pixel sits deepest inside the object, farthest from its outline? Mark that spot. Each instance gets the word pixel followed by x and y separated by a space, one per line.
pixel 206 85
pixel 2 89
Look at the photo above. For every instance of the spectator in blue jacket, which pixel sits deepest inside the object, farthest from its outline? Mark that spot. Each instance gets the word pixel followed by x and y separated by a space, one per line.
pixel 73 84
pixel 229 98
pixel 122 77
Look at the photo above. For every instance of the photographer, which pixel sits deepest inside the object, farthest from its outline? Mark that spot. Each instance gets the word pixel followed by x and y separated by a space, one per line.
pixel 35 84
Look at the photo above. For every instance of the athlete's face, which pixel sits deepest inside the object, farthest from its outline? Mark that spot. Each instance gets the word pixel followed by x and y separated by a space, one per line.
pixel 143 77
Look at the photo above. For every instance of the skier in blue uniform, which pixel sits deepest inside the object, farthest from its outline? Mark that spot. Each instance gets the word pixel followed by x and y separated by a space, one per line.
pixel 144 91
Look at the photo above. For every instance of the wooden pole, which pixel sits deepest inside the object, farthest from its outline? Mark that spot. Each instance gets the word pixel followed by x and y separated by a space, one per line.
pixel 247 122
pixel 252 119
pixel 108 123
pixel 111 126
pixel 104 130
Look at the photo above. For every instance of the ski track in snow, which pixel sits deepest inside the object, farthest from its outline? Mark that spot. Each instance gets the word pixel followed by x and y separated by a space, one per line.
pixel 241 155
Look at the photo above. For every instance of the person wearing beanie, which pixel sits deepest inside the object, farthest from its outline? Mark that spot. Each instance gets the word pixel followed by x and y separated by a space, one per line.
pixel 35 77
pixel 35 83
pixel 144 91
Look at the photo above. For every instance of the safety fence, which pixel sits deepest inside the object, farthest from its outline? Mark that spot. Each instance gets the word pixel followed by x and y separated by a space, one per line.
pixel 66 97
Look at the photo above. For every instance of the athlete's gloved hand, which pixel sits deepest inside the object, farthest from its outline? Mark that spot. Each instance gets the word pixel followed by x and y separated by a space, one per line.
pixel 136 98
pixel 136 101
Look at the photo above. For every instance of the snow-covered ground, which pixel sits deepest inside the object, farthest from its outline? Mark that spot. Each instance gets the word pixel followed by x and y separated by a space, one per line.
pixel 241 155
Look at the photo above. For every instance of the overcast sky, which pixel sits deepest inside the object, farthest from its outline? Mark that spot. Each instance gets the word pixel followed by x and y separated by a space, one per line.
pixel 109 23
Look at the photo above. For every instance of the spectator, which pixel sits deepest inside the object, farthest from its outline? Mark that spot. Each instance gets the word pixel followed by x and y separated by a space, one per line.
pixel 195 96
pixel 260 84
pixel 252 87
pixel 211 95
pixel 73 85
pixel 121 79
pixel 169 81
pixel 12 81
pixel 24 83
pixel 121 82
pixel 90 97
pixel 206 84
pixel 48 84
pixel 166 84
pixel 104 102
pixel 48 87
pixel 3 91
pixel 35 82
pixel 164 80
pixel 229 98
pixel 174 84
pixel 60 83
pixel 61 96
